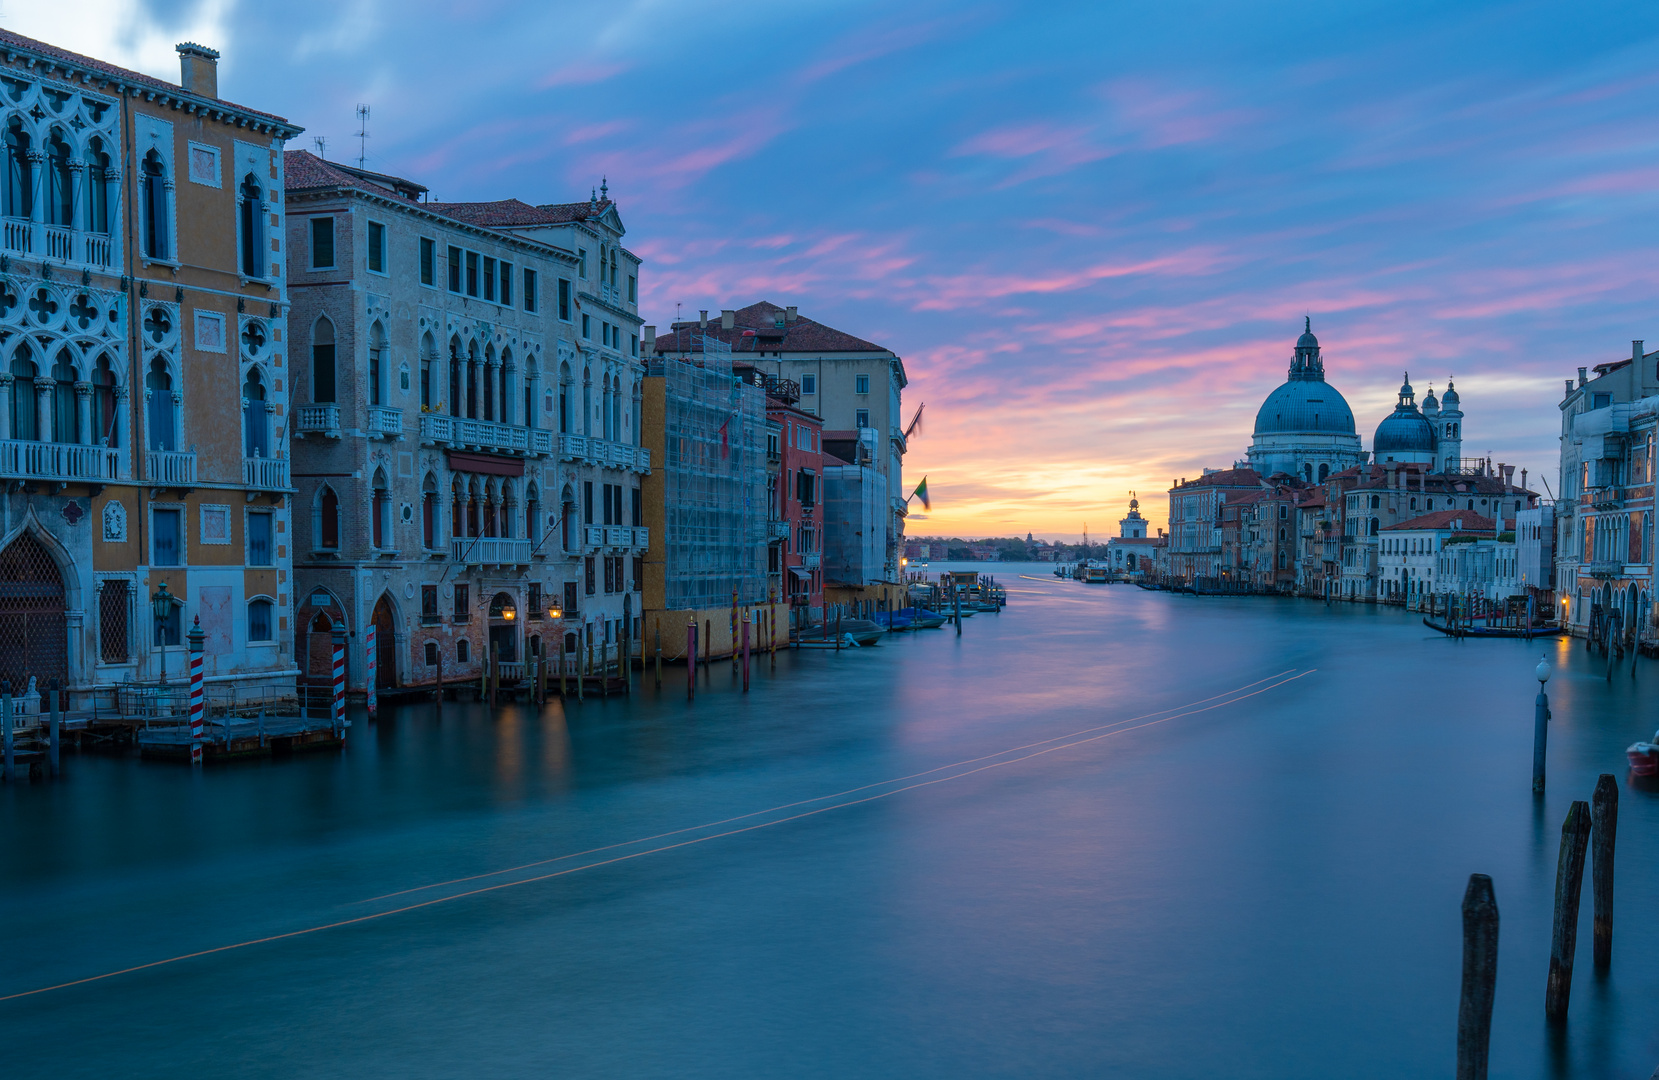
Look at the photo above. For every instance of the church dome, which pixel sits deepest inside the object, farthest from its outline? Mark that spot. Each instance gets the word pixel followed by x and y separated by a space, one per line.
pixel 1405 430
pixel 1449 399
pixel 1305 405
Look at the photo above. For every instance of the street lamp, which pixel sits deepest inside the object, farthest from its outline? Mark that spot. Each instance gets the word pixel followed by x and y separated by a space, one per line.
pixel 1540 725
pixel 161 603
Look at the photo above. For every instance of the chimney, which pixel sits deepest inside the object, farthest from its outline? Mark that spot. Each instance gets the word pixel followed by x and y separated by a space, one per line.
pixel 199 69
pixel 1569 392
pixel 1523 478
pixel 728 318
pixel 1636 353
pixel 703 320
pixel 777 318
pixel 1581 377
pixel 790 313
pixel 648 338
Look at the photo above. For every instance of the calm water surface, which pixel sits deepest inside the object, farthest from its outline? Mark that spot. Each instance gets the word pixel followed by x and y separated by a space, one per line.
pixel 1266 888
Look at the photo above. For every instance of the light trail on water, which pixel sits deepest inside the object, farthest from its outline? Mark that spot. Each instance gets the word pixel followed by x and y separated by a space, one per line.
pixel 1068 741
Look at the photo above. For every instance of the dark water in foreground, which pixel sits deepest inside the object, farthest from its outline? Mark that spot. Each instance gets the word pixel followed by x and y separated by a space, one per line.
pixel 1266 889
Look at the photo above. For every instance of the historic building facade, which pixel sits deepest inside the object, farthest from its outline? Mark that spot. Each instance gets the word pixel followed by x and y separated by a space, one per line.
pixel 143 382
pixel 466 461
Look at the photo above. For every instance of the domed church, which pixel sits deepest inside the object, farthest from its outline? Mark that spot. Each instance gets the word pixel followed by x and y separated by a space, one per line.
pixel 1305 427
pixel 1432 435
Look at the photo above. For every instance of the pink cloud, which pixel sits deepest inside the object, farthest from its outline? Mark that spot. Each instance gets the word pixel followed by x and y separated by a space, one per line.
pixel 582 73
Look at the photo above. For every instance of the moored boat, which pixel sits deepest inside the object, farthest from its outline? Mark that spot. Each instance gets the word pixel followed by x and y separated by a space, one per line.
pixel 1477 630
pixel 923 619
pixel 1644 757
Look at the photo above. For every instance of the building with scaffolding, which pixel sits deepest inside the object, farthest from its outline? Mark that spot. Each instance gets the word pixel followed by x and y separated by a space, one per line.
pixel 706 501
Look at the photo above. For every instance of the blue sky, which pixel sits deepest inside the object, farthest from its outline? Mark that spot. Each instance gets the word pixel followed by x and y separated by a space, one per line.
pixel 1092 230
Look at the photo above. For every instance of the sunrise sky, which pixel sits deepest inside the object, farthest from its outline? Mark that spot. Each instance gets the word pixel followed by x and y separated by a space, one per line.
pixel 1091 230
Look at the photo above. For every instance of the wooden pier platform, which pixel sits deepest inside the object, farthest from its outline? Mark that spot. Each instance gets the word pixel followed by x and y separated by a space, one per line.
pixel 238 737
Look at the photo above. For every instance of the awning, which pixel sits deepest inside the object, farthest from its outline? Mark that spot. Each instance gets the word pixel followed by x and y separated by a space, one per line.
pixel 491 464
pixel 800 573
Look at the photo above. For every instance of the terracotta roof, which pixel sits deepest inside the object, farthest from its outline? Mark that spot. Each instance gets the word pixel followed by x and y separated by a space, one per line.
pixel 508 213
pixel 755 329
pixel 1443 519
pixel 1224 478
pixel 121 74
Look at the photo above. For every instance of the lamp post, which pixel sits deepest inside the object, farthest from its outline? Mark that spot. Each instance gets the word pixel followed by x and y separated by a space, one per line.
pixel 1540 722
pixel 161 604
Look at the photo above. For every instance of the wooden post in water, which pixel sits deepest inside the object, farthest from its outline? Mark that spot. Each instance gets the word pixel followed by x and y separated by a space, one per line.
pixel 440 697
pixel 706 642
pixel 564 687
pixel 1480 978
pixel 745 652
pixel 956 596
pixel 484 676
pixel 541 674
pixel 495 674
pixel 1569 883
pixel 690 659
pixel 733 638
pixel 838 628
pixel 6 726
pixel 1604 825
pixel 659 656
pixel 52 740
pixel 1540 726
pixel 584 666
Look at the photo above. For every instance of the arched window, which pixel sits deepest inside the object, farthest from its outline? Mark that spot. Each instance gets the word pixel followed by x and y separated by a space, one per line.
pixel 255 429
pixel 429 357
pixel 322 362
pixel 1324 471
pixel 154 200
pixel 65 429
pixel 472 380
pixel 1376 526
pixel 252 222
pixel 508 505
pixel 455 377
pixel 25 408
pixel 567 518
pixel 532 514
pixel 60 186
pixel 104 415
pixel 429 512
pixel 489 382
pixel 328 519
pixel 19 192
pixel 97 187
pixel 380 512
pixel 377 364
pixel 616 400
pixel 158 385
pixel 564 399
pixel 458 510
pixel 259 620
pixel 587 402
pixel 501 381
pixel 462 651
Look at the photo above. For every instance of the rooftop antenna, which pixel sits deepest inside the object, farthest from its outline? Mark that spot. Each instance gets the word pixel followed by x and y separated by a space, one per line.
pixel 362 136
pixel 321 143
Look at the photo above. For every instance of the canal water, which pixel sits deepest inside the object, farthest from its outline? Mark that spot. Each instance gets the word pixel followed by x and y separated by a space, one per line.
pixel 1234 844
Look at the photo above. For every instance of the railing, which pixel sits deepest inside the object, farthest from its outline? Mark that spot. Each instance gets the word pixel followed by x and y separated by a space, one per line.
pixel 99 251
pixel 593 536
pixel 490 551
pixel 642 536
pixel 172 468
pixel 19 236
pixel 57 461
pixel 780 530
pixel 572 448
pixel 323 419
pixel 619 536
pixel 60 244
pixel 1603 498
pixel 811 560
pixel 267 474
pixel 1601 568
pixel 485 435
pixel 386 421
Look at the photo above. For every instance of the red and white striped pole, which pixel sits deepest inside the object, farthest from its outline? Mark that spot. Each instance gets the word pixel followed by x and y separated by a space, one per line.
pixel 370 660
pixel 338 714
pixel 196 637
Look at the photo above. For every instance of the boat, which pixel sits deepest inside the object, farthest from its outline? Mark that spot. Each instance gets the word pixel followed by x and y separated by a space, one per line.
pixel 1476 630
pixel 897 622
pixel 863 631
pixel 987 605
pixel 1096 573
pixel 923 619
pixel 1644 757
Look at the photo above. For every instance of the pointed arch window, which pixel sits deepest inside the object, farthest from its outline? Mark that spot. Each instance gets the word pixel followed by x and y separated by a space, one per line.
pixel 455 377
pixel 97 187
pixel 19 190
pixel 256 428
pixel 252 222
pixel 104 415
pixel 328 519
pixel 380 525
pixel 60 189
pixel 65 429
pixel 154 198
pixel 429 513
pixel 25 408
pixel 429 357
pixel 489 382
pixel 377 364
pixel 322 362
pixel 158 386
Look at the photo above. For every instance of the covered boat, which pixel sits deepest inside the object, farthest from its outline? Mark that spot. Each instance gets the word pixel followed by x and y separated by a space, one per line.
pixel 1644 757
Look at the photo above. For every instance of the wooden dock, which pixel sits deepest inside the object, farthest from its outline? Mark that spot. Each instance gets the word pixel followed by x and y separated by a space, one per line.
pixel 227 738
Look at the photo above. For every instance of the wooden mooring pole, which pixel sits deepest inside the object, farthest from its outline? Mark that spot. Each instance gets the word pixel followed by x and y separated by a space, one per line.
pixel 1604 826
pixel 52 740
pixel 745 652
pixel 1480 978
pixel 659 657
pixel 6 727
pixel 690 659
pixel 1569 883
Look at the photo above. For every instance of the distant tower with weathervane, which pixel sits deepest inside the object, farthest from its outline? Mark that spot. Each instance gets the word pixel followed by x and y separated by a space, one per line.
pixel 1133 526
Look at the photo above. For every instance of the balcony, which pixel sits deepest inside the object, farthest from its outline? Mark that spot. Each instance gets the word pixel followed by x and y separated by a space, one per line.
pixel 604 452
pixel 317 420
pixel 780 530
pixel 265 474
pixel 437 429
pixel 56 242
pixel 1601 568
pixel 57 461
pixel 642 536
pixel 490 551
pixel 812 560
pixel 572 448
pixel 593 536
pixel 171 468
pixel 385 423
pixel 1603 498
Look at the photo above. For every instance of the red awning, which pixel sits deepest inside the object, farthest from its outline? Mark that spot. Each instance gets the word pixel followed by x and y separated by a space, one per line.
pixel 492 464
pixel 803 575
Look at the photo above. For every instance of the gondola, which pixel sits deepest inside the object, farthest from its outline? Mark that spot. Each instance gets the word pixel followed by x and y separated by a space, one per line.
pixel 1476 630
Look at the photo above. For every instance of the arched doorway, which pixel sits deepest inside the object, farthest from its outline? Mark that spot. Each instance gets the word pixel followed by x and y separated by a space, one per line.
pixel 34 633
pixel 385 644
pixel 504 628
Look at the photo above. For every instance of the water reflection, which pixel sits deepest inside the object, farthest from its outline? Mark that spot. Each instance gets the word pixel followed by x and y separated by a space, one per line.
pixel 1269 887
